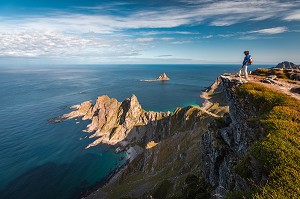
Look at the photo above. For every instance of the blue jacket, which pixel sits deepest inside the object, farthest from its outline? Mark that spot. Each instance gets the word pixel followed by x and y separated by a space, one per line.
pixel 246 60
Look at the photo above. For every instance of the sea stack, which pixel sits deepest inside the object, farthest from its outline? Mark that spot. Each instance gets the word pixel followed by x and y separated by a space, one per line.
pixel 163 77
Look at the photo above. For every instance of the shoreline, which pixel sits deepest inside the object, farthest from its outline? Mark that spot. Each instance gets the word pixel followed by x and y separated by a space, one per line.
pixel 130 154
pixel 85 192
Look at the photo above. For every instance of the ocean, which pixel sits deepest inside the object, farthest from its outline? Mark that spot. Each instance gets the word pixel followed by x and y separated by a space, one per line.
pixel 42 160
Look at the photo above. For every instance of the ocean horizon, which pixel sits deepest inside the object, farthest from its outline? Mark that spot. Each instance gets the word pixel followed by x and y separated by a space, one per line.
pixel 42 160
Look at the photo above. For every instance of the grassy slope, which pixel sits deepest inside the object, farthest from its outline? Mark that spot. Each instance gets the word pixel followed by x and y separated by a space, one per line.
pixel 278 153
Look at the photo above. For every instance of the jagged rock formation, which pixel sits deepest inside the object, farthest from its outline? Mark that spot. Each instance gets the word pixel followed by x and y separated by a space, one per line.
pixel 163 77
pixel 113 121
pixel 287 65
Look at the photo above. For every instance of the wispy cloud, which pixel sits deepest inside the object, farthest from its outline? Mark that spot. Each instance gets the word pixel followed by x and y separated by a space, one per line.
pixel 180 42
pixel 146 39
pixel 174 32
pixel 271 31
pixel 52 44
pixel 66 33
pixel 207 36
pixel 293 16
pixel 220 13
pixel 167 38
pixel 164 56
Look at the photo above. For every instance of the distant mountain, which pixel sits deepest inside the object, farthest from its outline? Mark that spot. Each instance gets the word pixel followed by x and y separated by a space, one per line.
pixel 287 64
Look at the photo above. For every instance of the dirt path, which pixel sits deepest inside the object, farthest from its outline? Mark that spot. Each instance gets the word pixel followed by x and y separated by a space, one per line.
pixel 283 86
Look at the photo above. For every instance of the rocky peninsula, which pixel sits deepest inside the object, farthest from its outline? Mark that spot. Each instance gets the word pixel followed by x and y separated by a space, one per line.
pixel 243 143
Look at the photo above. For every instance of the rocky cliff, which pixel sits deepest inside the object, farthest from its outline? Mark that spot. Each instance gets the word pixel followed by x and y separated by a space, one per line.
pixel 121 123
pixel 160 171
pixel 227 140
pixel 164 147
pixel 252 151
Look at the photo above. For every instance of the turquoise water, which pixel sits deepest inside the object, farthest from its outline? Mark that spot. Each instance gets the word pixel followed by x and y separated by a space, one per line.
pixel 42 160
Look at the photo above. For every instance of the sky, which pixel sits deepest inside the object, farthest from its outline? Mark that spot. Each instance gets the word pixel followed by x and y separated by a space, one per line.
pixel 149 32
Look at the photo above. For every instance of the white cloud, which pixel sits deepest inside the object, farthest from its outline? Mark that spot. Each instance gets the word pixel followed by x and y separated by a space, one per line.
pixel 167 38
pixel 293 16
pixel 271 31
pixel 207 36
pixel 146 39
pixel 55 44
pixel 149 39
pixel 150 33
pixel 64 34
pixel 180 42
pixel 222 13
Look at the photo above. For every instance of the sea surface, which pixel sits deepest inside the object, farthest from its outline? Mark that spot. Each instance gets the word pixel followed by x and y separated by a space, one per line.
pixel 42 160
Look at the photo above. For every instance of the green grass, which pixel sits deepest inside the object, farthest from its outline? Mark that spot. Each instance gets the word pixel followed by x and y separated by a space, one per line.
pixel 278 151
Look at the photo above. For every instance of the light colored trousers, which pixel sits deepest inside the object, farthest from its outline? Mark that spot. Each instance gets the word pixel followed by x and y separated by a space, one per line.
pixel 245 71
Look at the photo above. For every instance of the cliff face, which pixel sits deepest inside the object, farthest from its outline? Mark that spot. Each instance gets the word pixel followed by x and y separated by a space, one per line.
pixel 166 165
pixel 227 140
pixel 253 151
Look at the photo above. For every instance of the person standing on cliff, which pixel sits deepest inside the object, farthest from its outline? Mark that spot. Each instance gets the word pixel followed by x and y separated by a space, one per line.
pixel 247 61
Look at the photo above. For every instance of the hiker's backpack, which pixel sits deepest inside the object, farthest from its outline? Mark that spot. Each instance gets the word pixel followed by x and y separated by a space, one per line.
pixel 250 60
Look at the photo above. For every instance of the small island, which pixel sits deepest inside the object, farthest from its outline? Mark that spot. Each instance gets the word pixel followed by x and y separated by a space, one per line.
pixel 162 77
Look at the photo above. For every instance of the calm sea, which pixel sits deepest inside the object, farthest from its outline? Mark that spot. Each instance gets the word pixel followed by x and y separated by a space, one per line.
pixel 42 160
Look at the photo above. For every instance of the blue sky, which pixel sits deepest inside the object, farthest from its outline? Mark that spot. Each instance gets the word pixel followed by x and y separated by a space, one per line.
pixel 154 31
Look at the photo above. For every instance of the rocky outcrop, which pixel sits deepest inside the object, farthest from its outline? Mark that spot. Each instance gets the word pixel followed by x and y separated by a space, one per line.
pixel 122 123
pixel 227 140
pixel 287 65
pixel 80 110
pixel 163 77
pixel 280 72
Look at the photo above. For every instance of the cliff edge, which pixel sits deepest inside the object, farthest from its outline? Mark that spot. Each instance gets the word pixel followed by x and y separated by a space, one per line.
pixel 257 154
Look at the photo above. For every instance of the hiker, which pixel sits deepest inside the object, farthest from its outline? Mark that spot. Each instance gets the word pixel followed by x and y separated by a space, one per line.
pixel 247 61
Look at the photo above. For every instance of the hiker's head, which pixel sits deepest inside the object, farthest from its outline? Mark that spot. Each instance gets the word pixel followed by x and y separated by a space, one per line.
pixel 246 52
